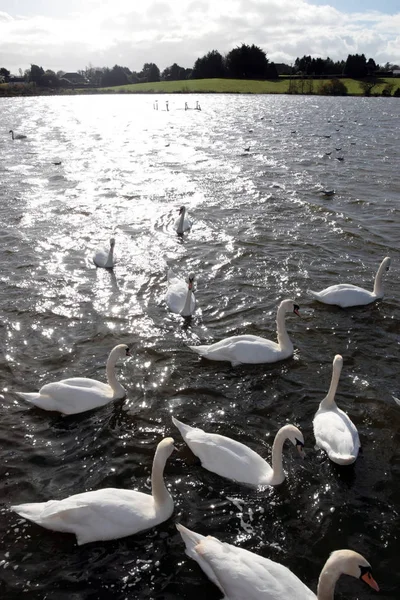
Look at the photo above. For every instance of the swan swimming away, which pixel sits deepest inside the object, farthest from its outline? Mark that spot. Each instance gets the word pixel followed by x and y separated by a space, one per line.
pixel 346 294
pixel 182 224
pixel 333 429
pixel 78 394
pixel 243 575
pixel 180 298
pixel 253 349
pixel 109 513
pixel 104 258
pixel 17 136
pixel 236 461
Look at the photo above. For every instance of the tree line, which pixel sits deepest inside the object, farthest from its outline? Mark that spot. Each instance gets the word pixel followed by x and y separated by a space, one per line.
pixel 242 62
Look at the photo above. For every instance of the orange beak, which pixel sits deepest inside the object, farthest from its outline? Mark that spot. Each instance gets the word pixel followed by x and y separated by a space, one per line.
pixel 367 577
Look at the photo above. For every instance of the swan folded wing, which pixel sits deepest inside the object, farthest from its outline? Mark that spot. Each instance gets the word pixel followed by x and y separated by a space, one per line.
pixel 243 574
pixel 336 433
pixel 345 295
pixel 77 392
pixel 250 349
pixel 227 457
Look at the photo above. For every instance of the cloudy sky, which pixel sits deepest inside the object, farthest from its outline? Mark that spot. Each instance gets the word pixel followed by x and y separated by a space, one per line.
pixel 73 34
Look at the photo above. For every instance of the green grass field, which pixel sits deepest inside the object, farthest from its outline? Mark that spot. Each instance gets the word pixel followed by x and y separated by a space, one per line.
pixel 240 86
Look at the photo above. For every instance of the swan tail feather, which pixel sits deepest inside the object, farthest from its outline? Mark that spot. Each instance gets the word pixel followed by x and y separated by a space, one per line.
pixel 183 428
pixel 29 397
pixel 190 538
pixel 312 293
pixel 342 459
pixel 31 511
pixel 202 350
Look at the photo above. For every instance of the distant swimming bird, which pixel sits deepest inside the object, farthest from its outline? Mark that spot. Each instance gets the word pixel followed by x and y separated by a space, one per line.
pixel 105 259
pixel 247 149
pixel 17 136
pixel 328 153
pixel 337 149
pixel 334 431
pixel 79 394
pixel 243 575
pixel 57 163
pixel 326 136
pixel 183 223
pixel 108 513
pixel 346 294
pixel 339 158
pixel 232 459
pixel 180 297
pixel 253 349
pixel 328 192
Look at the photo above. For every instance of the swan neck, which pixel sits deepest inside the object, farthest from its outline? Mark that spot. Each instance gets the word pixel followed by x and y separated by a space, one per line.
pixel 111 377
pixel 186 310
pixel 378 283
pixel 180 223
pixel 110 257
pixel 282 334
pixel 329 400
pixel 277 467
pixel 159 491
pixel 327 582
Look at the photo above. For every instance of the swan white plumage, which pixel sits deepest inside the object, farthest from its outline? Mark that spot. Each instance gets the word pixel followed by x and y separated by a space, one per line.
pixel 18 136
pixel 182 224
pixel 333 429
pixel 243 575
pixel 180 298
pixel 253 349
pixel 235 460
pixel 78 394
pixel 109 513
pixel 105 258
pixel 346 294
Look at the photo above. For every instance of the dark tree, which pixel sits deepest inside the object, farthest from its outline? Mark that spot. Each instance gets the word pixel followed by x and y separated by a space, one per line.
pixel 49 79
pixel 371 67
pixel 303 65
pixel 149 73
pixel 248 62
pixel 333 87
pixel 115 76
pixel 210 66
pixel 35 74
pixel 174 73
pixel 5 74
pixel 356 65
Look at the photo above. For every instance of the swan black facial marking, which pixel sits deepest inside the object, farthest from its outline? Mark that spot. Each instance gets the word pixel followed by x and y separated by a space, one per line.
pixel 299 443
pixel 365 571
pixel 128 352
pixel 296 309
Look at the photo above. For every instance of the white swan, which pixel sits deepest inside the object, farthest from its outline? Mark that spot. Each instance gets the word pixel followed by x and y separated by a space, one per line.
pixel 243 575
pixel 78 394
pixel 346 294
pixel 253 349
pixel 109 513
pixel 236 461
pixel 180 298
pixel 183 223
pixel 104 258
pixel 18 136
pixel 333 429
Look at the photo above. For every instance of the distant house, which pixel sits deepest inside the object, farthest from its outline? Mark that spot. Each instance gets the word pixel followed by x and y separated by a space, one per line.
pixel 396 72
pixel 16 79
pixel 75 78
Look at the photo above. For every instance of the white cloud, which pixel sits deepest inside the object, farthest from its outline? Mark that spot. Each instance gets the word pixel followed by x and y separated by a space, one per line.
pixel 167 31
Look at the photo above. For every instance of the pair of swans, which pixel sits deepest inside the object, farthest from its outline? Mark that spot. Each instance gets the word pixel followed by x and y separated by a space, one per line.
pixel 17 136
pixel 105 258
pixel 253 349
pixel 243 575
pixel 346 295
pixel 183 223
pixel 109 513
pixel 179 297
pixel 79 394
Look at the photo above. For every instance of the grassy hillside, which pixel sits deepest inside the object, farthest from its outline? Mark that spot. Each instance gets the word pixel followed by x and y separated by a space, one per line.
pixel 240 86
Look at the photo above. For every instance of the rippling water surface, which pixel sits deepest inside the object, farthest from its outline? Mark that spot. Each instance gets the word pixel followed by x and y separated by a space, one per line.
pixel 262 232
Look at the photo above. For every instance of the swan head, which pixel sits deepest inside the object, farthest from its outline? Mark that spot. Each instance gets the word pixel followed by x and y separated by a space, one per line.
pixel 112 242
pixel 294 435
pixel 11 131
pixel 182 210
pixel 338 362
pixel 386 263
pixel 191 280
pixel 290 306
pixel 351 563
pixel 166 446
pixel 121 351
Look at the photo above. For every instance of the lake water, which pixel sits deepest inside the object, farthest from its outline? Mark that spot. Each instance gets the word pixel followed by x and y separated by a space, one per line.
pixel 262 232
